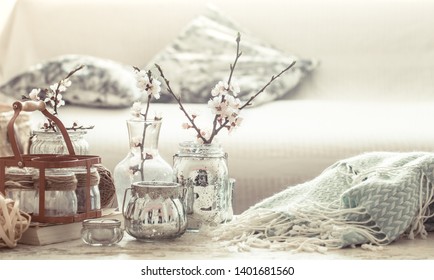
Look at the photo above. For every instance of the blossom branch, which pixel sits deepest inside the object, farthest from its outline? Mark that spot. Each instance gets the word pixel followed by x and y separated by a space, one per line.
pixel 178 99
pixel 232 66
pixel 216 130
pixel 57 91
pixel 232 69
pixel 248 102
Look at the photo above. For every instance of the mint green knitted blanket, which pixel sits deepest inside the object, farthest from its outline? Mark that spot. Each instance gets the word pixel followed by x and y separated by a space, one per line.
pixel 371 199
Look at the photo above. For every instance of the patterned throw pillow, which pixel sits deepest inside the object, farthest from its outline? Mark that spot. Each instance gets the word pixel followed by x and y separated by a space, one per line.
pixel 200 57
pixel 101 83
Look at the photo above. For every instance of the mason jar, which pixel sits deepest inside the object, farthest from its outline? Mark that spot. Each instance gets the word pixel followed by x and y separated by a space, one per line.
pixel 60 197
pixel 203 170
pixel 19 187
pixel 154 210
pixel 94 193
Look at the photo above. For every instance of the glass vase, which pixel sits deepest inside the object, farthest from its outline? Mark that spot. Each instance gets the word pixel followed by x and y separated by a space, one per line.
pixel 203 170
pixel 52 142
pixel 143 161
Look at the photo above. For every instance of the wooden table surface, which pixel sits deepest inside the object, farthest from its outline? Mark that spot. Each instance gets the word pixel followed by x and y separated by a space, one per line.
pixel 198 246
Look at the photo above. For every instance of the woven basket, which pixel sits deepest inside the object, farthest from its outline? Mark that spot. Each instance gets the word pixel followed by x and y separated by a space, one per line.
pixel 13 222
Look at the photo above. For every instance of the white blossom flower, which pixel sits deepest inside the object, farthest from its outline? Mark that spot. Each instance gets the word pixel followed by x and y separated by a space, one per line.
pixel 136 141
pixel 64 84
pixel 220 88
pixel 34 94
pixel 236 123
pixel 205 134
pixel 233 102
pixel 234 88
pixel 218 107
pixel 158 115
pixel 136 109
pixel 151 86
pixel 185 126
pixel 60 101
pixel 231 114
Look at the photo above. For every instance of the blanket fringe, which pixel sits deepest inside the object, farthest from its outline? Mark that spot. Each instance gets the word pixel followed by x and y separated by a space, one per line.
pixel 426 198
pixel 315 229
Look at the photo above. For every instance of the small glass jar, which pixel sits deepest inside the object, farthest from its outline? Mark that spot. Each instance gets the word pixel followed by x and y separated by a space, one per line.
pixel 101 232
pixel 19 187
pixel 155 210
pixel 95 197
pixel 60 197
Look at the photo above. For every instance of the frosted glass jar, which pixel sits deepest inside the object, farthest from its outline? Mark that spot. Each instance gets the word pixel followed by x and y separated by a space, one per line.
pixel 203 170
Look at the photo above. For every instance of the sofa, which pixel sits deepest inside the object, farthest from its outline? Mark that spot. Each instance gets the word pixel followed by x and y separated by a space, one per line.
pixel 371 90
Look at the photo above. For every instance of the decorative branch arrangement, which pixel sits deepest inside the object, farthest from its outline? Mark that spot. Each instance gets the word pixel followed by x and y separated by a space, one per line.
pixel 223 104
pixel 151 88
pixel 53 98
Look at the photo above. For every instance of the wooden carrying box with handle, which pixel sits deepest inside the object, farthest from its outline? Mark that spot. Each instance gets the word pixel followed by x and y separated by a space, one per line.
pixel 42 162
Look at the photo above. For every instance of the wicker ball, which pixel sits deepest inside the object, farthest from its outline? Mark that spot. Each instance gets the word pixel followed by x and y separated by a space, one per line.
pixel 106 186
pixel 13 222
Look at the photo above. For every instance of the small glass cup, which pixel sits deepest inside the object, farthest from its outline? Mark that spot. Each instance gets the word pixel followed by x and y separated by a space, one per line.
pixel 101 232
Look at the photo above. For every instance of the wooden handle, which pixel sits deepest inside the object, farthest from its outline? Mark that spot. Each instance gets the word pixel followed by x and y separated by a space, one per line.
pixel 30 106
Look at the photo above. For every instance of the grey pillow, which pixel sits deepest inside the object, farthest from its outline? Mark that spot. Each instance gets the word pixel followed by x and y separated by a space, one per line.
pixel 200 57
pixel 101 83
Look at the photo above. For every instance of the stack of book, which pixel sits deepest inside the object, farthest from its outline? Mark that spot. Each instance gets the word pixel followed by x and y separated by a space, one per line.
pixel 43 234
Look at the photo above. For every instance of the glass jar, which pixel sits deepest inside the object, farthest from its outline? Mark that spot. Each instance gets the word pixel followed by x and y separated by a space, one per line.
pixel 101 232
pixel 155 210
pixel 60 197
pixel 19 187
pixel 143 161
pixel 94 195
pixel 52 142
pixel 203 170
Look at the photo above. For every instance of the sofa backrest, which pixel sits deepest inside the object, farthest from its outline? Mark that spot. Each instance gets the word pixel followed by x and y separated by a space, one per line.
pixel 382 50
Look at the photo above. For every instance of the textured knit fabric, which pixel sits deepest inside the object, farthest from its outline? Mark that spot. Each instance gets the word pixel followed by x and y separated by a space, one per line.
pixel 373 198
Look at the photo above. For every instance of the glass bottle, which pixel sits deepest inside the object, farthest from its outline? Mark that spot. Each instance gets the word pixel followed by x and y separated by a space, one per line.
pixel 52 142
pixel 155 210
pixel 143 161
pixel 203 170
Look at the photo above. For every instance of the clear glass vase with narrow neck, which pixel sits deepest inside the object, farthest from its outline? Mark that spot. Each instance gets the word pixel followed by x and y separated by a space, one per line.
pixel 143 161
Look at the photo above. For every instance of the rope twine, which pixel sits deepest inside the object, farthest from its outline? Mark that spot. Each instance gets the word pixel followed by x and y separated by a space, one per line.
pixel 19 181
pixel 82 176
pixel 13 222
pixel 59 182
